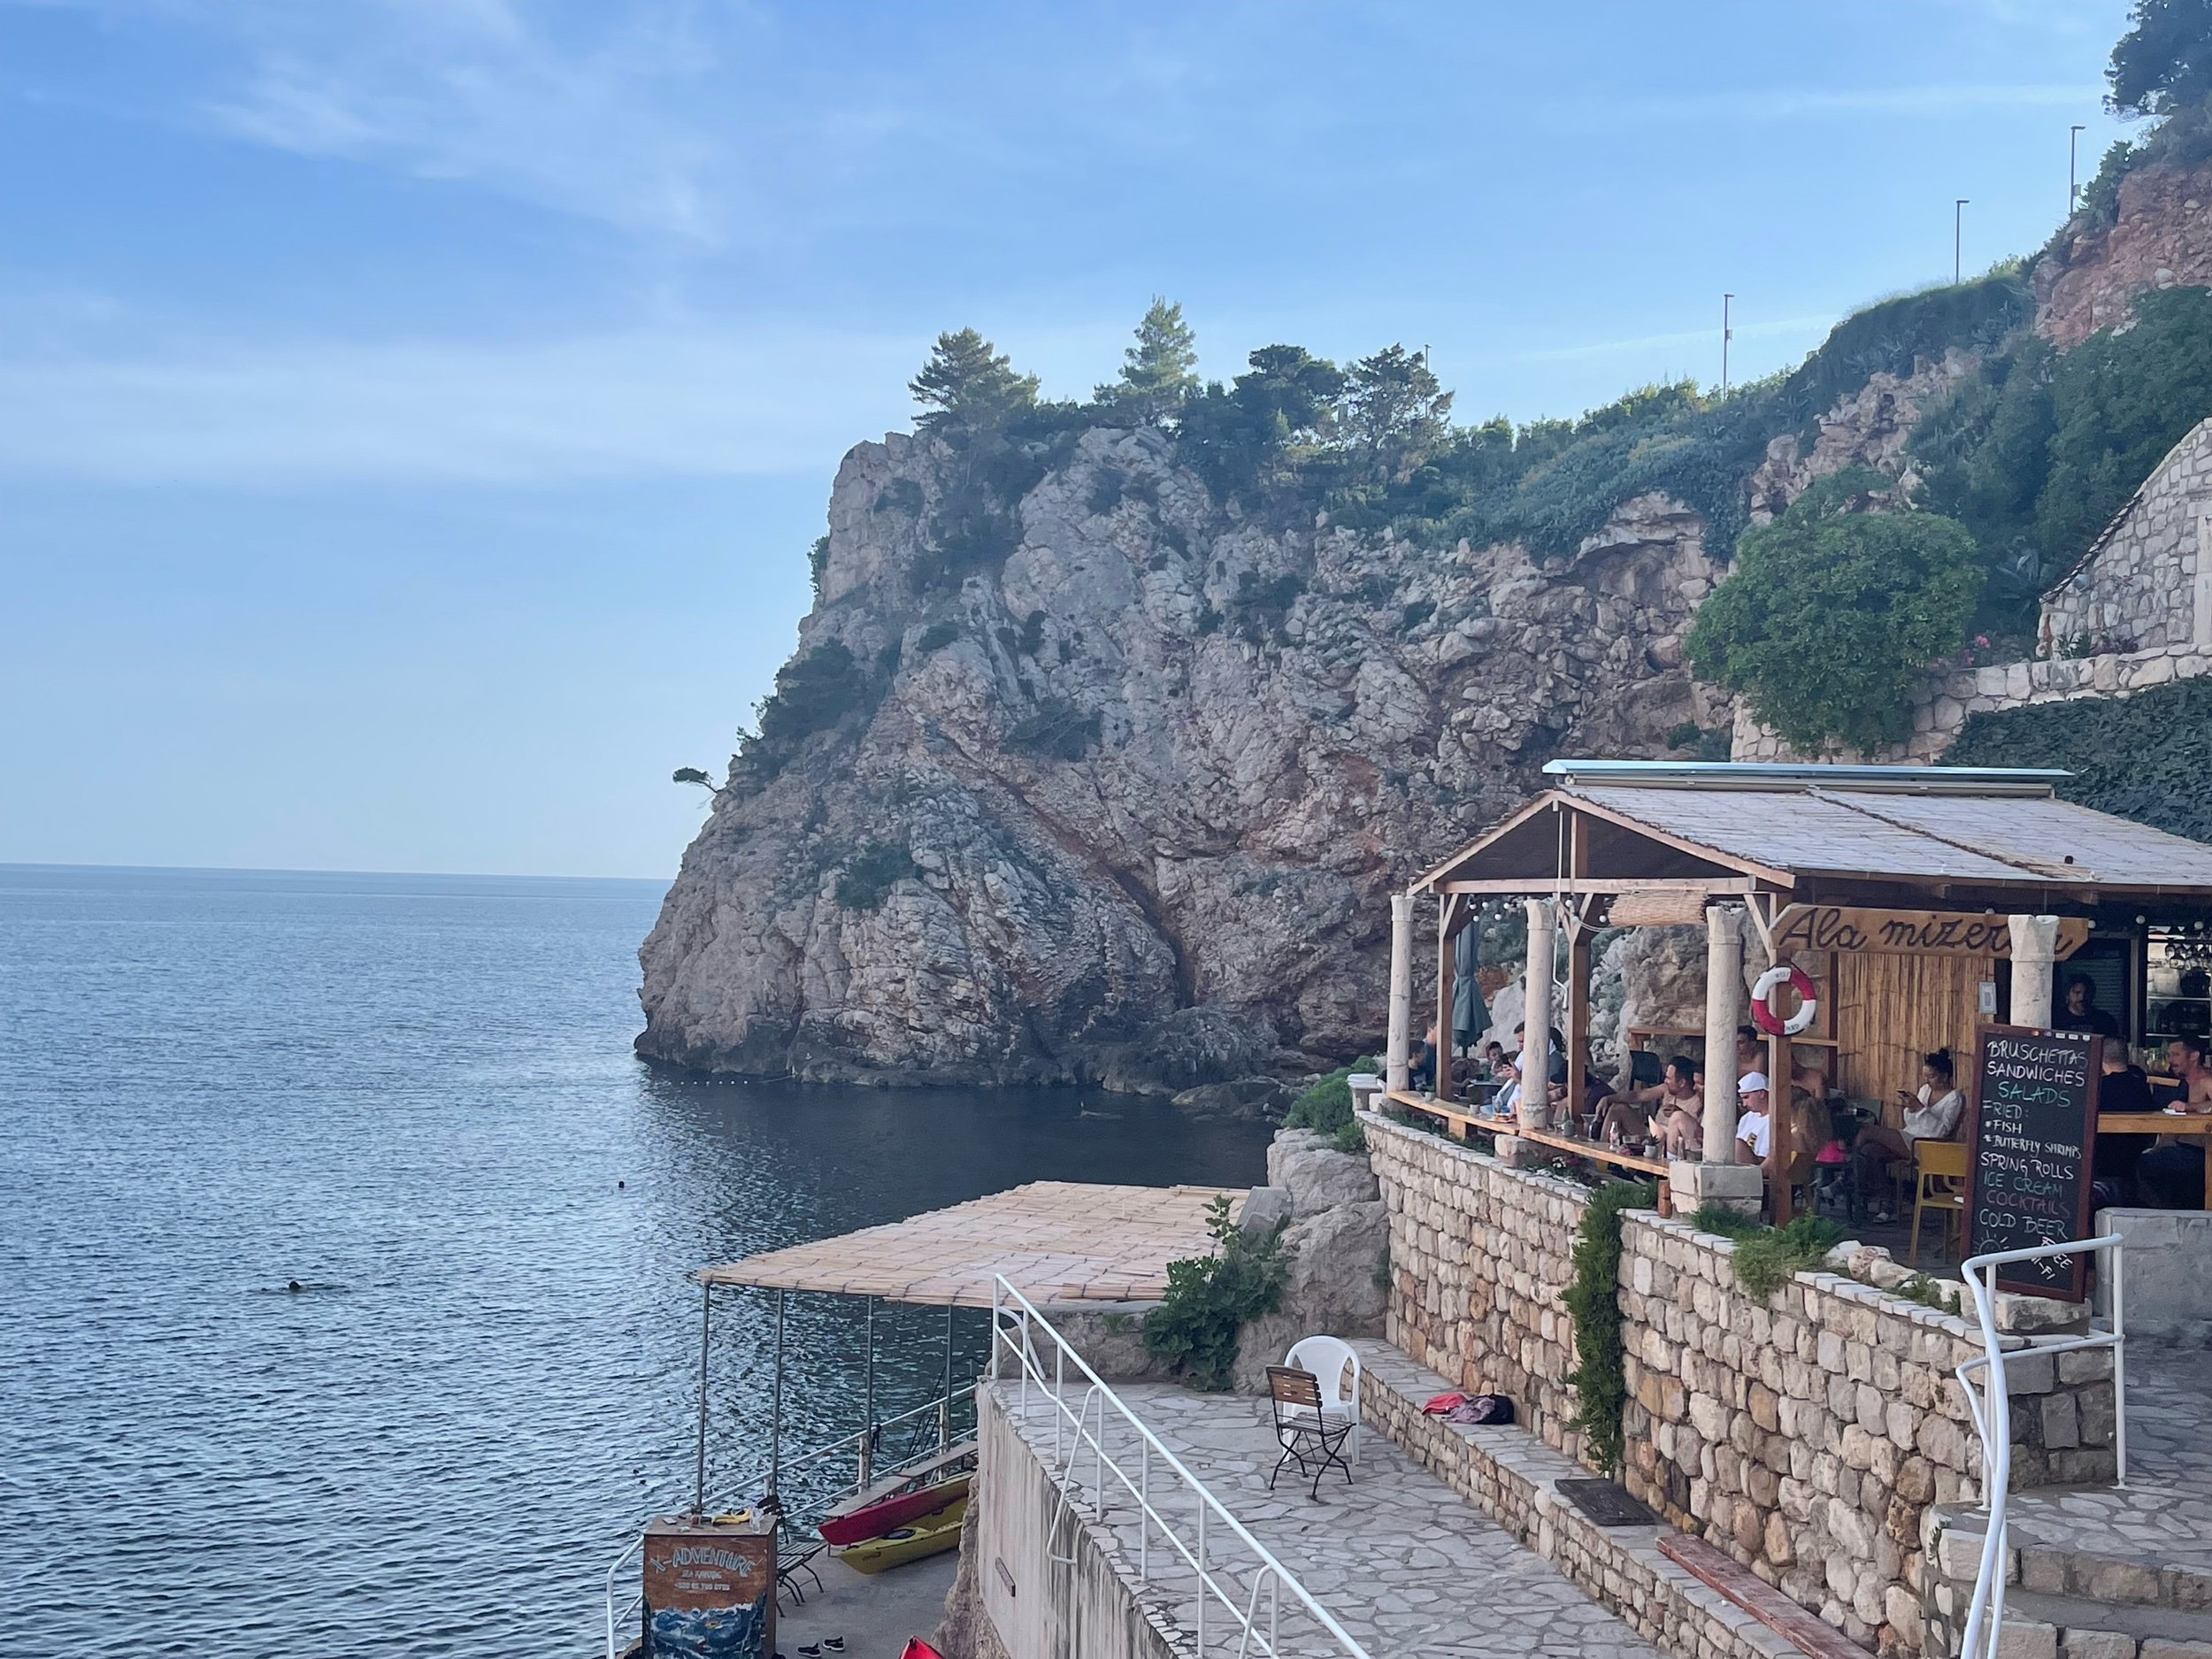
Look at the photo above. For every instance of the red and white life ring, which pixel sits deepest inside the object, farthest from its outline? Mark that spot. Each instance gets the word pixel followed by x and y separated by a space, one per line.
pixel 1762 1002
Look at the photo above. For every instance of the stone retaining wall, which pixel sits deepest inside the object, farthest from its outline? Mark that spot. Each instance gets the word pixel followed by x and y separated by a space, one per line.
pixel 1807 1435
pixel 1478 1256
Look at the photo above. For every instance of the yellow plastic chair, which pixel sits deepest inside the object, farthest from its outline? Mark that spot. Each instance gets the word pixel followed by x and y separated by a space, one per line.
pixel 1940 1168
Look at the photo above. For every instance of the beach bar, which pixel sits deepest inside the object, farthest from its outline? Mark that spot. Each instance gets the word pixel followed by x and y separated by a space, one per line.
pixel 1896 910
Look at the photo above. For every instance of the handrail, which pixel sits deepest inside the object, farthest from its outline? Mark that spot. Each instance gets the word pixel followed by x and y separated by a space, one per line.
pixel 1023 1314
pixel 940 1407
pixel 1985 1616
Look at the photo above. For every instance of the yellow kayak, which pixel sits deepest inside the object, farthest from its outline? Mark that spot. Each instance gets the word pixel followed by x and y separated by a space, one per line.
pixel 929 1534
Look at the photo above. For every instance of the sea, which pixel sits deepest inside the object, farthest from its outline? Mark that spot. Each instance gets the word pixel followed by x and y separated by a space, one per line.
pixel 344 1257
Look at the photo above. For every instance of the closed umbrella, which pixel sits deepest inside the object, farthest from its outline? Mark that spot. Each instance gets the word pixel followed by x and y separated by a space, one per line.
pixel 1470 1017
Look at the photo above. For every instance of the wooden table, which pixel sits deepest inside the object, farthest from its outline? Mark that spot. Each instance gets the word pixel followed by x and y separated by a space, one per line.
pixel 2194 1124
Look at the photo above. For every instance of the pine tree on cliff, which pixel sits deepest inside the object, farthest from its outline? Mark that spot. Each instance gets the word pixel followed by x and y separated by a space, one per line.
pixel 966 386
pixel 1160 371
pixel 1396 413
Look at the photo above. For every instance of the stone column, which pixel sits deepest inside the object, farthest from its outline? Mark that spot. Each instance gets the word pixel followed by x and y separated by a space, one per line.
pixel 1396 1071
pixel 1717 1178
pixel 1535 1097
pixel 2034 945
pixel 1723 1012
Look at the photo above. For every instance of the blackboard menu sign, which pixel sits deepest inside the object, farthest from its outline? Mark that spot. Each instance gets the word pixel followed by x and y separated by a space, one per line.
pixel 2033 1135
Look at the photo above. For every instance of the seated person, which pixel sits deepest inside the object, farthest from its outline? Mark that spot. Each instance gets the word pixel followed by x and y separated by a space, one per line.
pixel 1933 1114
pixel 2170 1176
pixel 1755 1135
pixel 1421 1071
pixel 1632 1114
pixel 2123 1088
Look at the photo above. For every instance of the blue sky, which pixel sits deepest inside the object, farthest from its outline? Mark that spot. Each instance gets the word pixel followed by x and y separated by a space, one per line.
pixel 413 416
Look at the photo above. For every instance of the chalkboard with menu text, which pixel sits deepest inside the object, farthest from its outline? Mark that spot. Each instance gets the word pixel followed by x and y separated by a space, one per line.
pixel 2031 1139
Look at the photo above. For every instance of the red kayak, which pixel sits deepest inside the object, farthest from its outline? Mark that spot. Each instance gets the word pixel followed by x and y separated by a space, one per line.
pixel 916 1648
pixel 891 1504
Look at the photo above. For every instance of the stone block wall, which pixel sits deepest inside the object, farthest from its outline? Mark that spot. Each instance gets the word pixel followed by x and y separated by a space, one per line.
pixel 1808 1434
pixel 1478 1256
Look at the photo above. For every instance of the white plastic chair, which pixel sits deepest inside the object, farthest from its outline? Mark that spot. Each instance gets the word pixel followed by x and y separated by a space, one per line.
pixel 1333 1362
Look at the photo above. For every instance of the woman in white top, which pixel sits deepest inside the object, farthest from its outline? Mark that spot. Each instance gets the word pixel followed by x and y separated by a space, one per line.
pixel 1933 1114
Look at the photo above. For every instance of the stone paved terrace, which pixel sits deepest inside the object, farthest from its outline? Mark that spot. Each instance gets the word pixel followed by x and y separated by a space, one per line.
pixel 1407 1565
pixel 2164 1516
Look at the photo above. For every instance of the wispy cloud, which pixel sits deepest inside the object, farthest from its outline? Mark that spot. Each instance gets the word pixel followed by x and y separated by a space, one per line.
pixel 1801 104
pixel 637 404
pixel 475 90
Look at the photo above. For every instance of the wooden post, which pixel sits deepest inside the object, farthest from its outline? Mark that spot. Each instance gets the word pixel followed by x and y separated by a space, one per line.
pixel 1444 988
pixel 1779 1113
pixel 1577 1013
pixel 1401 1047
pixel 1578 1020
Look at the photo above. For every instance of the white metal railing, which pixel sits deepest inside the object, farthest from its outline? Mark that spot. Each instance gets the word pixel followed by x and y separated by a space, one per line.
pixel 1993 1416
pixel 860 1445
pixel 1081 1426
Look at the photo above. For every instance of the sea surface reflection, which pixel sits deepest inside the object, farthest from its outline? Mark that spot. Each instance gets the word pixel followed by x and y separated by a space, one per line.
pixel 414 1096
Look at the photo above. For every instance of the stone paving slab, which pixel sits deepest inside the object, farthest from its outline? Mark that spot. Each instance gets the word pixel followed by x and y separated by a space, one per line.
pixel 1400 1560
pixel 2163 1517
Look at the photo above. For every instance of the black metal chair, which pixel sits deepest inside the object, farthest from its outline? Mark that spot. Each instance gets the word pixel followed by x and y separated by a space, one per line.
pixel 1308 1436
pixel 795 1555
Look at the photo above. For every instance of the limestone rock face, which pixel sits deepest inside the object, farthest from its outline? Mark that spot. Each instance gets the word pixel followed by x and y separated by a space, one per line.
pixel 2090 279
pixel 1119 798
pixel 1335 1288
pixel 1249 1097
pixel 1317 1177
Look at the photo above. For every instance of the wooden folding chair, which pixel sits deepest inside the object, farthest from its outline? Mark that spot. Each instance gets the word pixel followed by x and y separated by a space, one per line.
pixel 1309 1435
pixel 1940 1171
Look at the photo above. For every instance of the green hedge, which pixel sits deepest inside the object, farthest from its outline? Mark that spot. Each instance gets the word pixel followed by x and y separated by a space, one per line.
pixel 2144 757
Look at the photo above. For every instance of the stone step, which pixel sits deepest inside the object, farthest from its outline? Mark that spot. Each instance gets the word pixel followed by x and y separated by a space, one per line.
pixel 1748 1591
pixel 2085 1629
pixel 2042 1562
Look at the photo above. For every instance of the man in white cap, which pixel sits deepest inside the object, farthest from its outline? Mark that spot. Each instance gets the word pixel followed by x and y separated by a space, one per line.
pixel 1755 1133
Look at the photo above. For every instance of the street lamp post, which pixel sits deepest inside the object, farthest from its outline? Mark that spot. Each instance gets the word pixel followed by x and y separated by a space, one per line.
pixel 1727 334
pixel 2073 147
pixel 1958 231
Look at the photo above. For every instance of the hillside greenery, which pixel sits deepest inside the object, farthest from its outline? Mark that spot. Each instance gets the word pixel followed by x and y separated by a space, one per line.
pixel 2017 470
pixel 2144 757
pixel 1834 610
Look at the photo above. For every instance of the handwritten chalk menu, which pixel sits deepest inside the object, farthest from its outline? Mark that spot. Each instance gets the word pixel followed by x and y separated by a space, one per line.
pixel 2034 1130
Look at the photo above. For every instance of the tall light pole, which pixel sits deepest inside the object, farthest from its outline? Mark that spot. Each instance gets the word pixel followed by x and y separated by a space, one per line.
pixel 1727 334
pixel 2073 145
pixel 1958 231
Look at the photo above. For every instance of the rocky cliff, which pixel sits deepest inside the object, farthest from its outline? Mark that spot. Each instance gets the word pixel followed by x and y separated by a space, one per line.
pixel 1128 804
pixel 1084 775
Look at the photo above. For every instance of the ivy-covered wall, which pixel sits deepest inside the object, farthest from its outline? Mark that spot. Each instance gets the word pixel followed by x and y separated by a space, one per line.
pixel 2146 757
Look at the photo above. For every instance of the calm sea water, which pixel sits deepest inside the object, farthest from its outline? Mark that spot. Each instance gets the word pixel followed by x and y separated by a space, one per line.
pixel 415 1096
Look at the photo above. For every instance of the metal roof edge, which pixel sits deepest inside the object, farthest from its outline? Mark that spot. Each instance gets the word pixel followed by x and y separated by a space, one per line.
pixel 1777 776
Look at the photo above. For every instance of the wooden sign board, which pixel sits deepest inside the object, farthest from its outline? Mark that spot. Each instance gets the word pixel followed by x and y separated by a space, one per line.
pixel 709 1587
pixel 1852 929
pixel 2031 1139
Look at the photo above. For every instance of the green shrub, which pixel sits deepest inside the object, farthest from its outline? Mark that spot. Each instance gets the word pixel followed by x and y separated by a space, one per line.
pixel 871 872
pixel 1211 1298
pixel 1767 1259
pixel 936 636
pixel 1831 617
pixel 1712 1216
pixel 813 693
pixel 1592 1298
pixel 1326 1105
pixel 2144 757
pixel 2038 449
pixel 818 563
pixel 1056 727
pixel 900 494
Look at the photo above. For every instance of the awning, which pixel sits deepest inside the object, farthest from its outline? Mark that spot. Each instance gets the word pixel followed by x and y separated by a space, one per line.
pixel 1055 1242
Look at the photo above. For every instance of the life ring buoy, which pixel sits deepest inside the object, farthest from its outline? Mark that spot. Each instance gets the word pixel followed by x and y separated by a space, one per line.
pixel 1762 1002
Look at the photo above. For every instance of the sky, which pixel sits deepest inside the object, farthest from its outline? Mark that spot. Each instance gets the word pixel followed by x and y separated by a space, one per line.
pixel 414 414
